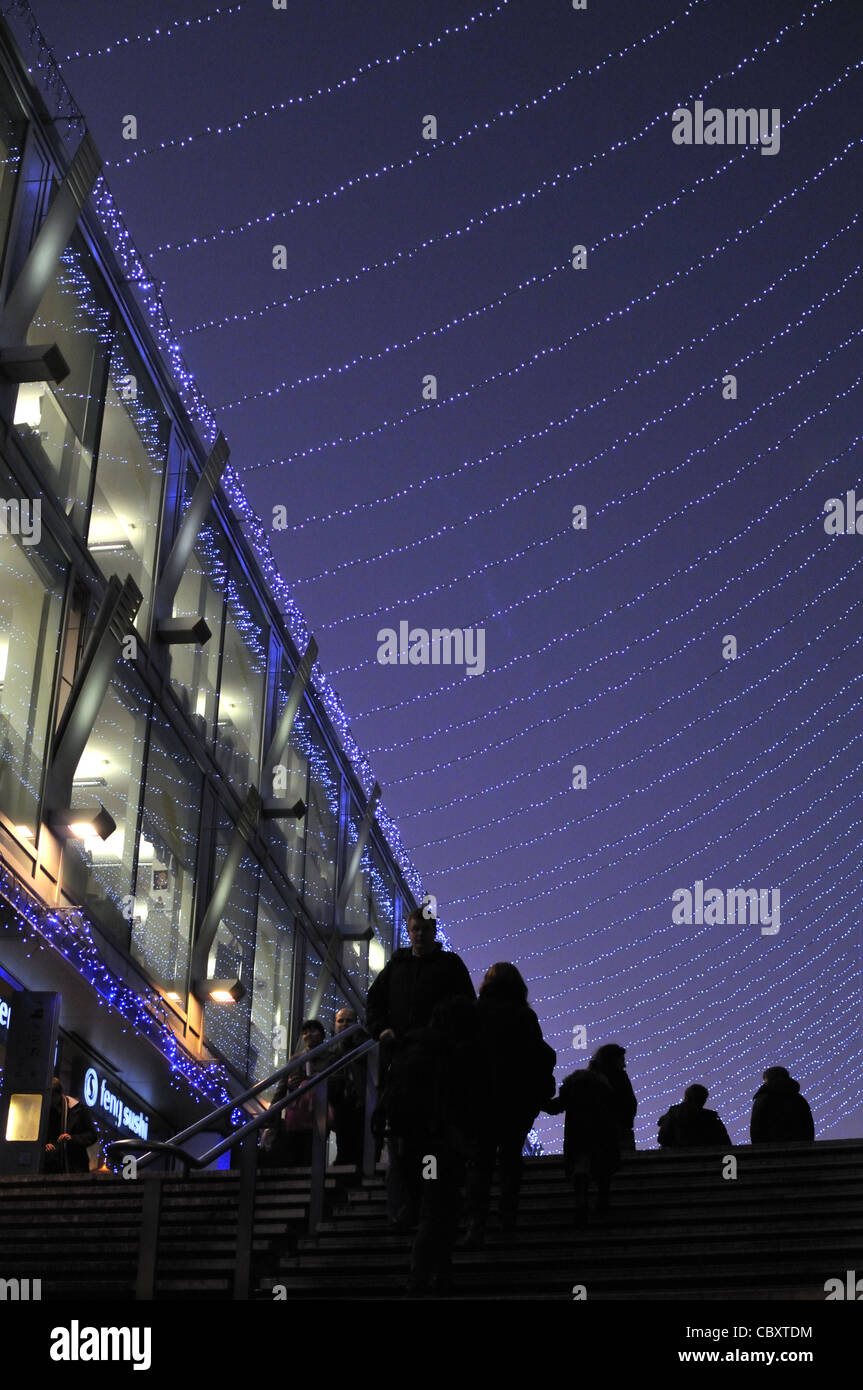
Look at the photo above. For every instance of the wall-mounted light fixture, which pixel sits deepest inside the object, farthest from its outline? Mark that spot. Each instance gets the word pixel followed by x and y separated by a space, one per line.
pixel 82 824
pixel 188 631
pixel 281 810
pixel 39 362
pixel 226 991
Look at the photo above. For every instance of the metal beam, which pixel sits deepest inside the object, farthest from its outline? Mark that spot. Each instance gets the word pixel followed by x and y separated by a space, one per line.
pixel 338 934
pixel 52 239
pixel 356 857
pixel 279 743
pixel 205 491
pixel 222 892
pixel 113 622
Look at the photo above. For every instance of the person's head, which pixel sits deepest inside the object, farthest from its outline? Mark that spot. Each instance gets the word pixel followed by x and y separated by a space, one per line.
pixel 609 1058
pixel 345 1018
pixel 421 932
pixel 696 1095
pixel 774 1074
pixel 313 1034
pixel 56 1093
pixel 503 981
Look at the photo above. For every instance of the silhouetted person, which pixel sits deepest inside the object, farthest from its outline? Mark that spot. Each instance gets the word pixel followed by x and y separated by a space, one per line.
pixel 71 1131
pixel 610 1061
pixel 689 1125
pixel 286 1140
pixel 779 1111
pixel 429 1102
pixel 313 1033
pixel 401 998
pixel 415 979
pixel 347 1092
pixel 591 1142
pixel 519 1066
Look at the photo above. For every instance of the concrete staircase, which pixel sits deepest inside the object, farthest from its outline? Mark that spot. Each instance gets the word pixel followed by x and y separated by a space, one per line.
pixel 790 1220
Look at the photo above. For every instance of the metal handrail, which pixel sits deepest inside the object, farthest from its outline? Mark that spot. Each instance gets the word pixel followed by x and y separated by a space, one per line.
pixel 228 1105
pixel 242 1137
pixel 172 1146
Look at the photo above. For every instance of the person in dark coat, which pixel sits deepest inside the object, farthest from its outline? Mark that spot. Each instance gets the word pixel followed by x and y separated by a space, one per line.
pixel 519 1066
pixel 429 1104
pixel 690 1126
pixel 413 981
pixel 779 1112
pixel 400 999
pixel 591 1136
pixel 71 1131
pixel 610 1061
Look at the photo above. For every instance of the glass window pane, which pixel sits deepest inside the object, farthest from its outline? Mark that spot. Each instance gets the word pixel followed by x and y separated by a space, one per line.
pixel 322 831
pixel 271 996
pixel 290 783
pixel 195 669
pixel 370 904
pixel 242 692
pixel 31 588
pixel 59 419
pixel 99 873
pixel 12 127
pixel 331 1000
pixel 232 955
pixel 130 470
pixel 167 862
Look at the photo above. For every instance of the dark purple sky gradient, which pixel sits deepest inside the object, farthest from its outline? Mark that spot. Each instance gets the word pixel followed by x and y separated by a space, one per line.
pixel 741 774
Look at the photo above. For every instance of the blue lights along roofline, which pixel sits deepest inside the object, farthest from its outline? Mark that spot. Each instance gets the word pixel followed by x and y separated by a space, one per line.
pixel 56 93
pixel 70 932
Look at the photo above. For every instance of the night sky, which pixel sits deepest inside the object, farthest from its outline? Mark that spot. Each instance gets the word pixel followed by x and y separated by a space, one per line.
pixel 557 387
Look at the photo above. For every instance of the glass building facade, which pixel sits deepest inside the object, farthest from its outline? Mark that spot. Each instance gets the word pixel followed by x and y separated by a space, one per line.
pixel 97 472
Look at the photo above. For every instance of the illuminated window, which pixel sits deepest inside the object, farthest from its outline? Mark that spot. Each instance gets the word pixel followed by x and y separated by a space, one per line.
pixel 31 589
pixel 124 520
pixel 59 419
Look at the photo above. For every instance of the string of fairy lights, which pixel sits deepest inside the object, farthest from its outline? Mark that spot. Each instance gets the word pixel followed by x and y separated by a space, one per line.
pixel 564 792
pixel 608 863
pixel 555 762
pixel 268 392
pixel 663 905
pixel 521 200
pixel 615 1004
pixel 278 108
pixel 548 350
pixel 164 31
pixel 532 654
pixel 531 282
pixel 657 821
pixel 613 953
pixel 528 597
pixel 626 1005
